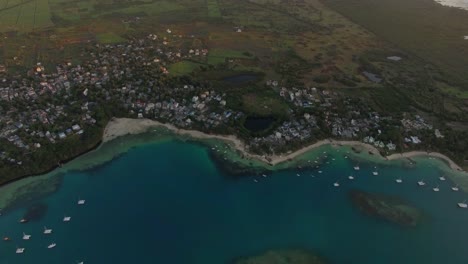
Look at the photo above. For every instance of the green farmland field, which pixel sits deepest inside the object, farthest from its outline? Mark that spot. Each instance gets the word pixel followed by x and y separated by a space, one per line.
pixel 24 16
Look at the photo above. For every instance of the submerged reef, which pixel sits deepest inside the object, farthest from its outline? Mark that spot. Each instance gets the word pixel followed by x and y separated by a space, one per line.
pixel 35 212
pixel 284 256
pixel 389 208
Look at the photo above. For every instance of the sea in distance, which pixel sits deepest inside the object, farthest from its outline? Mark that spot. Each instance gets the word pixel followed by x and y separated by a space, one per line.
pixel 170 201
pixel 454 3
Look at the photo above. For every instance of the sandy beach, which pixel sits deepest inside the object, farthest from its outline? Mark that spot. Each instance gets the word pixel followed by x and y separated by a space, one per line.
pixel 124 126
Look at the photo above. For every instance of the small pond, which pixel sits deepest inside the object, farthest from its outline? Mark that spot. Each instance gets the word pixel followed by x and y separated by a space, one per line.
pixel 258 123
pixel 372 77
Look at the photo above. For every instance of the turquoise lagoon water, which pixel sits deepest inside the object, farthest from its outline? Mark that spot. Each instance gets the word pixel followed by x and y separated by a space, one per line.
pixel 168 203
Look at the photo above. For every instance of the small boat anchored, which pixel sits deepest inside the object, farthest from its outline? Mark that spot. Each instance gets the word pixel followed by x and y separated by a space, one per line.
pixel 436 189
pixel 356 168
pixel 336 184
pixel 399 180
pixel 19 250
pixel 81 202
pixel 66 218
pixel 6 239
pixel 51 245
pixel 375 173
pixel 26 236
pixel 421 183
pixel 351 177
pixel 23 220
pixel 455 188
pixel 47 231
pixel 463 205
pixel 442 178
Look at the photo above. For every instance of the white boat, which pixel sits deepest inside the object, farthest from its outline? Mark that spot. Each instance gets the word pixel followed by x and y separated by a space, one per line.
pixel 421 183
pixel 298 175
pixel 436 189
pixel 319 171
pixel 351 177
pixel 47 231
pixel 356 168
pixel 375 173
pixel 442 178
pixel 463 205
pixel 255 180
pixel 66 218
pixel 81 202
pixel 336 184
pixel 398 180
pixel 51 245
pixel 455 188
pixel 26 237
pixel 19 250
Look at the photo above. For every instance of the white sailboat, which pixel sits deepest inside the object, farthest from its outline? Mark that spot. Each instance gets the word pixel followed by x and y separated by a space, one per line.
pixel 255 180
pixel 47 231
pixel 436 189
pixel 26 237
pixel 66 218
pixel 81 202
pixel 319 171
pixel 356 168
pixel 421 183
pixel 375 173
pixel 351 177
pixel 336 184
pixel 463 205
pixel 442 178
pixel 51 245
pixel 455 188
pixel 19 250
pixel 398 180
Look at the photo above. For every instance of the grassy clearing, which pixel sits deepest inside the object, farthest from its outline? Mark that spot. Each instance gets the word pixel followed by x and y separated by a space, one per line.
pixel 109 37
pixel 264 104
pixel 183 67
pixel 213 8
pixel 454 91
pixel 217 56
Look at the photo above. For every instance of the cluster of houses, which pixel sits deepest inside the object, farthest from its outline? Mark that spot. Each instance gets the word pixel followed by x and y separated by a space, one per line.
pixel 48 106
pixel 296 129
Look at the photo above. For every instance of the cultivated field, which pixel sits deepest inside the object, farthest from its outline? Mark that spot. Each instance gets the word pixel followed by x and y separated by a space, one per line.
pixel 24 15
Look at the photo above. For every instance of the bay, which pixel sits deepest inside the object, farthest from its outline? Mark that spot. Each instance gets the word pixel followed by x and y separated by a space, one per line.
pixel 168 202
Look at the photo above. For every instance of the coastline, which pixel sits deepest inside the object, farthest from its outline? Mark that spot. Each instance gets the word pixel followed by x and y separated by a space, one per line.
pixel 118 127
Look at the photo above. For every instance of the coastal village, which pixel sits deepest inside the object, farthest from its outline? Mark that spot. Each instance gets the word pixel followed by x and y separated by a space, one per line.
pixel 48 106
